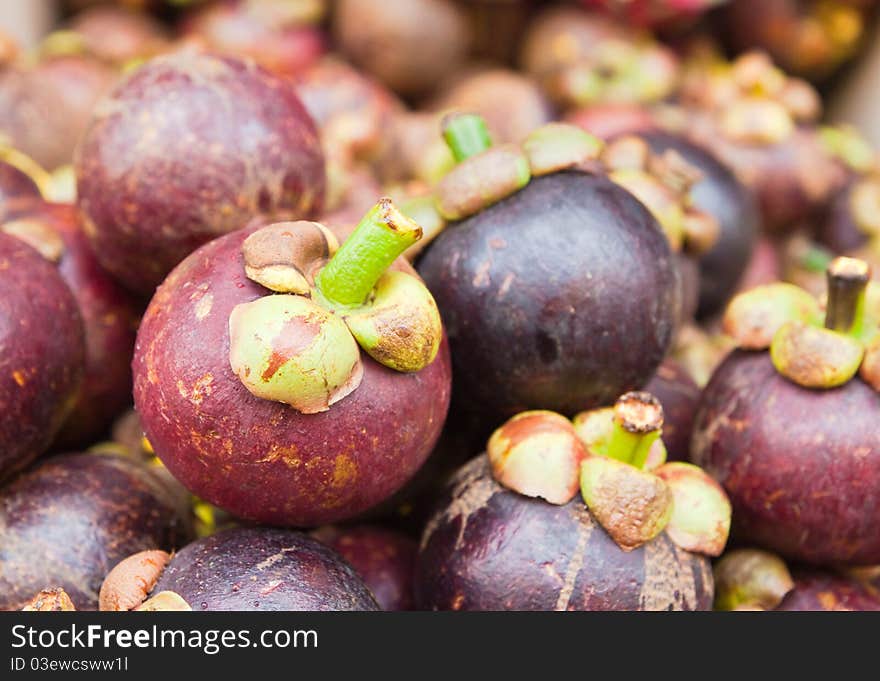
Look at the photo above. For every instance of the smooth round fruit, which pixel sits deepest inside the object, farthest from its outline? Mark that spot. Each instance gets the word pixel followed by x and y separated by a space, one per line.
pixel 680 397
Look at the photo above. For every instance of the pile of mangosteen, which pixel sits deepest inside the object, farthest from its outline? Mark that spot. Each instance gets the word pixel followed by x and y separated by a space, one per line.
pixel 465 305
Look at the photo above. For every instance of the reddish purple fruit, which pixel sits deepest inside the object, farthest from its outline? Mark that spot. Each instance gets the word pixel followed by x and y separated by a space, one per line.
pixel 263 569
pixel 157 180
pixel 383 558
pixel 257 458
pixel 15 184
pixel 815 590
pixel 109 317
pixel 680 396
pixel 67 522
pixel 41 366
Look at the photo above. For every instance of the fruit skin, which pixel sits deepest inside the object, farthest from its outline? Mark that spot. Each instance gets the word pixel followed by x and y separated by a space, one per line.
pixel 383 558
pixel 117 34
pixel 562 297
pixel 263 569
pixel 237 143
pixel 15 184
pixel 68 521
pixel 837 228
pixel 722 196
pixel 41 366
pixel 801 467
pixel 491 549
pixel 815 590
pixel 680 397
pixel 109 317
pixel 258 459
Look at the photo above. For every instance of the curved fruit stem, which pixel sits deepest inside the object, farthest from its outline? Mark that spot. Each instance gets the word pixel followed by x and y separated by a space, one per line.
pixel 466 135
pixel 382 235
pixel 638 419
pixel 847 282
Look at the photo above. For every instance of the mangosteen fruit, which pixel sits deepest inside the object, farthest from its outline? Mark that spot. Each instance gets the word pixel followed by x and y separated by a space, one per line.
pixel 582 516
pixel 238 569
pixel 385 559
pixel 761 124
pixel 752 579
pixel 555 276
pixel 582 58
pixel 284 37
pixel 792 433
pixel 186 148
pixel 251 383
pixel 680 396
pixel 69 520
pixel 41 366
pixel 609 119
pixel 114 34
pixel 108 313
pixel 409 45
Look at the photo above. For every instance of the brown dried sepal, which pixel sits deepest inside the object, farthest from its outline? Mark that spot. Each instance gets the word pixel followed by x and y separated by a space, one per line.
pixel 164 601
pixel 537 454
pixel 482 180
pixel 50 600
pixel 633 505
pixel 129 583
pixel 870 368
pixel 559 146
pixel 752 318
pixel 40 236
pixel 286 256
pixel 815 357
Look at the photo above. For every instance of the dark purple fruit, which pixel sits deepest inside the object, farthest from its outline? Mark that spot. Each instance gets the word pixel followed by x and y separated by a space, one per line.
pixel 263 569
pixel 721 195
pixel 15 184
pixel 488 548
pixel 41 366
pixel 801 466
pixel 680 396
pixel 186 148
pixel 815 590
pixel 383 558
pixel 561 296
pixel 68 521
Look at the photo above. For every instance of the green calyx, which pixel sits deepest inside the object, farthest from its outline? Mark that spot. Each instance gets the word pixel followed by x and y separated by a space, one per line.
pixel 751 579
pixel 847 144
pixel 805 348
pixel 302 347
pixel 466 135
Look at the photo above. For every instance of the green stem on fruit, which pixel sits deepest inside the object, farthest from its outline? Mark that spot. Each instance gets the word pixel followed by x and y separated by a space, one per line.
pixel 466 135
pixel 382 235
pixel 638 418
pixel 847 283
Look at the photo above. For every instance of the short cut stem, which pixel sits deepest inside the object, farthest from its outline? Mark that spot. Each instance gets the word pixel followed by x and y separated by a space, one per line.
pixel 466 135
pixel 847 283
pixel 382 235
pixel 638 419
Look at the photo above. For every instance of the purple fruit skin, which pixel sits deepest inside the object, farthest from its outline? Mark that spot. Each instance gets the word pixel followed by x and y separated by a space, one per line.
pixel 689 272
pixel 562 297
pixel 680 397
pixel 801 467
pixel 814 590
pixel 110 318
pixel 43 353
pixel 259 459
pixel 488 548
pixel 157 180
pixel 264 569
pixel 15 184
pixel 722 196
pixel 67 522
pixel 383 558
pixel 837 229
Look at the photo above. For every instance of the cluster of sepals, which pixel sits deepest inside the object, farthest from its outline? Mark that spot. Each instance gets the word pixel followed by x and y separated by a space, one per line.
pixel 811 346
pixel 301 343
pixel 614 456
pixel 858 156
pixel 486 174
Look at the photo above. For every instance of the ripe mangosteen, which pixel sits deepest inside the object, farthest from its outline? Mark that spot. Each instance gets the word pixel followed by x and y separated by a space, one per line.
pixel 383 558
pixel 116 35
pixel 514 533
pixel 229 139
pixel 792 434
pixel 19 177
pixel 680 396
pixel 264 405
pixel 751 579
pixel 558 287
pixel 719 194
pixel 284 37
pixel 239 569
pixel 410 45
pixel 68 521
pixel 108 313
pixel 761 124
pixel 41 366
pixel 581 58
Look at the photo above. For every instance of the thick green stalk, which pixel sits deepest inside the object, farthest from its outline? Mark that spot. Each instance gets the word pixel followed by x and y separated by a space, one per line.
pixel 466 135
